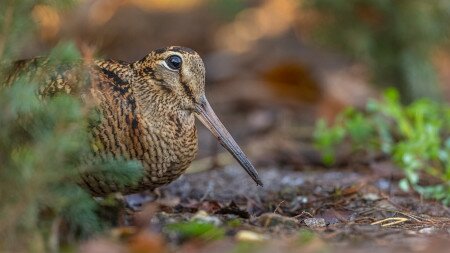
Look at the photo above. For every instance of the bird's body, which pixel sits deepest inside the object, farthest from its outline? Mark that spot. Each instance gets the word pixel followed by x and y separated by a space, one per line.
pixel 148 111
pixel 137 124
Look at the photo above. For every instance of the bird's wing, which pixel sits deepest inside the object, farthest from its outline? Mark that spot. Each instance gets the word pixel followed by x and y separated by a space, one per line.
pixel 52 79
pixel 74 78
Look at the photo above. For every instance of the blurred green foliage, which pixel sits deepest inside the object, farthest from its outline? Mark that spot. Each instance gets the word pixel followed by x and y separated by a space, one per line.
pixel 305 236
pixel 197 229
pixel 417 137
pixel 44 146
pixel 394 38
pixel 227 9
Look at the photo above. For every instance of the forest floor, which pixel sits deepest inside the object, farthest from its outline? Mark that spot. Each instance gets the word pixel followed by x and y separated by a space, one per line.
pixel 322 210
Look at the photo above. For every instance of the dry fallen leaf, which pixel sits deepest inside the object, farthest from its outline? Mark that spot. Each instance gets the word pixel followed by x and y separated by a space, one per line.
pixel 293 81
pixel 146 242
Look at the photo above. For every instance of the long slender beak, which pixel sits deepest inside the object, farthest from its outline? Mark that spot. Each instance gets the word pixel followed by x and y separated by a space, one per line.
pixel 207 116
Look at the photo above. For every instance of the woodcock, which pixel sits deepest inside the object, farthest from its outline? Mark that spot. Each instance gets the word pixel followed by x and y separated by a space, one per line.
pixel 148 111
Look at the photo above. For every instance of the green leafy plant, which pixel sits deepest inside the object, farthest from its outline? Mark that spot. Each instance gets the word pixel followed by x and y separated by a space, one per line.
pixel 43 149
pixel 416 137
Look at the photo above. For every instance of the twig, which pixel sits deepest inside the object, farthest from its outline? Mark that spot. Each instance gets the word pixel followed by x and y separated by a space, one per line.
pixel 302 213
pixel 278 206
pixel 391 221
pixel 414 217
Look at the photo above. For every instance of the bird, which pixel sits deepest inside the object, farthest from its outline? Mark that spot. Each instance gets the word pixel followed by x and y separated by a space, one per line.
pixel 147 113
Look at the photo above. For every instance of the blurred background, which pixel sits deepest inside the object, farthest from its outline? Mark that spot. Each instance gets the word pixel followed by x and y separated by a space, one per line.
pixel 271 61
pixel 279 73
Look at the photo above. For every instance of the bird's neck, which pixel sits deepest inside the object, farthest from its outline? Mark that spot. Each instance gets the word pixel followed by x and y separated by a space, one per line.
pixel 160 110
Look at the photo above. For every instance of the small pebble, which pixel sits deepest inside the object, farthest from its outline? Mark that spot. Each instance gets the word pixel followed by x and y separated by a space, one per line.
pixel 203 216
pixel 371 197
pixel 383 184
pixel 301 199
pixel 315 222
pixel 428 231
pixel 249 236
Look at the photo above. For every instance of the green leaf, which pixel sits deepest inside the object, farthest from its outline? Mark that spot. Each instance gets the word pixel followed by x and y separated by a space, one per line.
pixel 196 229
pixel 414 136
pixel 404 184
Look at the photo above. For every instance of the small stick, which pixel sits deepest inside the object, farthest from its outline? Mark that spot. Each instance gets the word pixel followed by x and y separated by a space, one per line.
pixel 393 221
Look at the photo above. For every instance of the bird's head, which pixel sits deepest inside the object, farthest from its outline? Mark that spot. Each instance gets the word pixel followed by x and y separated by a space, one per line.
pixel 177 75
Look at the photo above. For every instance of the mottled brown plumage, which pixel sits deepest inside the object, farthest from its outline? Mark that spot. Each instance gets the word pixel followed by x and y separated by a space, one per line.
pixel 147 113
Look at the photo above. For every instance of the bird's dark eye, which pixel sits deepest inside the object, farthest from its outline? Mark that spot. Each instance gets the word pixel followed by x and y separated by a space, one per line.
pixel 174 62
